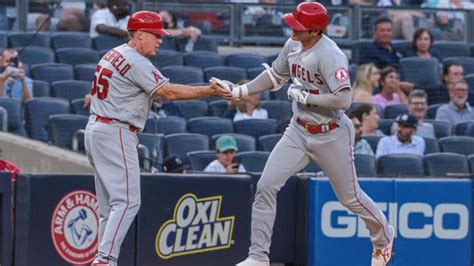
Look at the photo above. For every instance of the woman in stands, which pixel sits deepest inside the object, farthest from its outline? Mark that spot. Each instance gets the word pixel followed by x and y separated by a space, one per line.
pixel 367 79
pixel 390 88
pixel 422 45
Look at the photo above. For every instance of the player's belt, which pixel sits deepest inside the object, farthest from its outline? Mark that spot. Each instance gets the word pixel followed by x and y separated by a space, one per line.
pixel 317 128
pixel 106 120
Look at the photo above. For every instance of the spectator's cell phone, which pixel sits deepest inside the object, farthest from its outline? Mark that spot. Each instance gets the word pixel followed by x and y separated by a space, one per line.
pixel 14 61
pixel 236 161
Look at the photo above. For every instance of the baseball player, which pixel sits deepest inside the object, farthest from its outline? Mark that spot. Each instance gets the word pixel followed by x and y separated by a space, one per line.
pixel 319 130
pixel 124 87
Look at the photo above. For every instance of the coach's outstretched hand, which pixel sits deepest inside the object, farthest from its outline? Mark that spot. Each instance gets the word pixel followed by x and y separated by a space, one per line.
pixel 237 91
pixel 218 90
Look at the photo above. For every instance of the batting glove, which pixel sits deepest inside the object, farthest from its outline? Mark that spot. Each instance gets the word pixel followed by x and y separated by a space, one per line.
pixel 237 91
pixel 295 93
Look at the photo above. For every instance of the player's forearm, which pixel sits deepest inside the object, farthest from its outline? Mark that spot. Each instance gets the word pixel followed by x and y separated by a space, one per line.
pixel 260 83
pixel 172 92
pixel 111 30
pixel 340 100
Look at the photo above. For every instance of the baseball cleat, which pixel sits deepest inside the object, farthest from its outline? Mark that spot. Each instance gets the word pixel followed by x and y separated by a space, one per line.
pixel 251 262
pixel 99 263
pixel 380 257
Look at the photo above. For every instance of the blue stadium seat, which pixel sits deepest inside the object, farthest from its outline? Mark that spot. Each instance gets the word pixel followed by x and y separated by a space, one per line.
pixel 41 89
pixel 70 89
pixel 356 49
pixel 210 125
pixel 472 49
pixel 205 44
pixel 202 59
pixel 442 128
pixel 465 61
pixel 77 56
pixel 244 142
pixel 469 131
pixel 77 107
pixel 105 41
pixel 365 165
pixel 385 125
pixel 218 107
pixel 470 158
pixel 446 163
pixel 36 55
pixel 400 165
pixel 392 111
pixel 460 128
pixel 431 112
pixel 181 143
pixel 373 141
pixel 62 127
pixel 278 110
pixel 281 94
pixel 431 145
pixel 183 74
pixel 27 39
pixel 4 39
pixel 451 48
pixel 71 40
pixel 457 144
pixel 402 46
pixel 37 112
pixel 85 72
pixel 168 43
pixel 154 143
pixel 165 125
pixel 254 161
pixel 15 115
pixel 311 167
pixel 254 72
pixel 271 58
pixel 245 60
pixel 352 72
pixel 268 142
pixel 50 72
pixel 232 74
pixel 256 127
pixel 167 58
pixel 423 72
pixel 199 160
pixel 192 108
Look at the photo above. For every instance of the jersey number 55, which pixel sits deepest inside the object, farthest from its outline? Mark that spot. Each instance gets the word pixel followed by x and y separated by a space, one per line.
pixel 101 82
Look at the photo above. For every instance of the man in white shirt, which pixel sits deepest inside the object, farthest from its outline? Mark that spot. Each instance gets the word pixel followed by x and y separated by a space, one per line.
pixel 226 162
pixel 111 20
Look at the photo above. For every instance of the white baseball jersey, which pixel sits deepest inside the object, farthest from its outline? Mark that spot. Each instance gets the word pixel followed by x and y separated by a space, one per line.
pixel 125 82
pixel 106 17
pixel 320 69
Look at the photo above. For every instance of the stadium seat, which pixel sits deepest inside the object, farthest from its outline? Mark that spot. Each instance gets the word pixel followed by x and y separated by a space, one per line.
pixel 254 161
pixel 466 62
pixel 446 164
pixel 457 144
pixel 244 60
pixel 254 72
pixel 400 165
pixel 451 48
pixel 268 142
pixel 244 142
pixel 62 127
pixel 392 111
pixel 218 107
pixel 271 58
pixel 402 46
pixel 205 44
pixel 37 112
pixel 281 94
pixel 183 74
pixel 470 158
pixel 154 144
pixel 423 72
pixel 181 143
pixel 167 58
pixel 365 165
pixel 41 89
pixel 431 112
pixel 278 110
pixel 460 128
pixel 77 56
pixel 232 74
pixel 352 72
pixel 85 72
pixel 50 72
pixel 71 40
pixel 4 39
pixel 431 145
pixel 356 50
pixel 311 167
pixel 199 160
pixel 143 158
pixel 105 41
pixel 36 55
pixel 169 44
pixel 3 119
pixel 70 89
pixel 77 107
pixel 165 125
pixel 373 141
pixel 202 59
pixel 472 49
pixel 15 115
pixel 210 125
pixel 469 131
pixel 385 125
pixel 21 39
pixel 192 108
pixel 442 128
pixel 256 127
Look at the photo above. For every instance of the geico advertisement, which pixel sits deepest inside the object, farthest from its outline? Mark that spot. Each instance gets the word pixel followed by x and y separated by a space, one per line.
pixel 432 218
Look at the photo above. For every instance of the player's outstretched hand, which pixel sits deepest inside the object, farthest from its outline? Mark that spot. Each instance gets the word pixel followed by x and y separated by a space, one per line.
pixel 237 91
pixel 219 91
pixel 296 93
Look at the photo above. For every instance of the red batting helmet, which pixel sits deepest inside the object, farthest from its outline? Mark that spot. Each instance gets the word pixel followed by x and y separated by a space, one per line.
pixel 148 21
pixel 308 16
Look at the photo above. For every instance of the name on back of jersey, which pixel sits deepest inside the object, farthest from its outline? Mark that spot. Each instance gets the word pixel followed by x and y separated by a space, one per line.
pixel 117 60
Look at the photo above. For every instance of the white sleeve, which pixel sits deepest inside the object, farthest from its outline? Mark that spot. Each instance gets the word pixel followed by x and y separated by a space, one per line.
pixel 334 70
pixel 145 75
pixel 280 65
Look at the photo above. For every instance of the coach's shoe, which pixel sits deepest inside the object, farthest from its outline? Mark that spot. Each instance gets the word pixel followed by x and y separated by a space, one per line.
pixel 99 263
pixel 251 262
pixel 380 257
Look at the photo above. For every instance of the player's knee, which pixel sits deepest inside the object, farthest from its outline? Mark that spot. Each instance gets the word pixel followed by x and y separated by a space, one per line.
pixel 134 206
pixel 349 203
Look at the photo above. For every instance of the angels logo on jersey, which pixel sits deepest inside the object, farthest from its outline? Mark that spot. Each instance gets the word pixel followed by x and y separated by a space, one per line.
pixel 341 74
pixel 157 76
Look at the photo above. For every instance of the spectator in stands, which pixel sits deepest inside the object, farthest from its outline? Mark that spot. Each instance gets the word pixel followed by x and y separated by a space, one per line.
pixel 111 20
pixel 249 107
pixel 381 52
pixel 369 118
pixel 404 141
pixel 452 71
pixel 166 108
pixel 226 162
pixel 361 145
pixel 403 20
pixel 422 45
pixel 390 88
pixel 171 25
pixel 458 109
pixel 367 79
pixel 417 107
pixel 13 81
pixel 174 164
